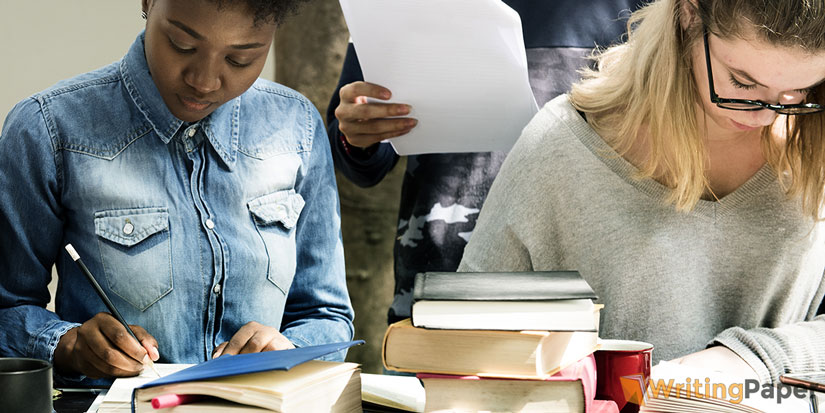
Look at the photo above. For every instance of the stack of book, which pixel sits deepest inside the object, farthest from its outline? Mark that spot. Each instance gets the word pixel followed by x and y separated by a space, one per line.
pixel 501 342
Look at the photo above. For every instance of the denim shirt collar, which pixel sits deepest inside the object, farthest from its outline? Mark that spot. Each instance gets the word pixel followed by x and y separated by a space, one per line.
pixel 220 127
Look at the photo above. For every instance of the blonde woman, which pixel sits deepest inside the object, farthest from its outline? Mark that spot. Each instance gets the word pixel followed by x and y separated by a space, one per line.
pixel 684 178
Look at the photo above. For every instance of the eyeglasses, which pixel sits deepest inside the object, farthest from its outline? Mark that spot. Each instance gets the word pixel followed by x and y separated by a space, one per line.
pixel 746 104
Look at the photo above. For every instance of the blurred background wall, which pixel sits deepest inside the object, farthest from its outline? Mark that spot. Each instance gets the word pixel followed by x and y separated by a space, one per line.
pixel 44 41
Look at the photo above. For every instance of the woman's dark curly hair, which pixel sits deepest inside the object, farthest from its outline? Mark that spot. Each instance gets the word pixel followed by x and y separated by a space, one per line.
pixel 265 11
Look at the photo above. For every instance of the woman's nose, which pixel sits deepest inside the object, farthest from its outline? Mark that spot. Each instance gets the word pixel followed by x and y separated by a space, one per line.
pixel 791 98
pixel 203 77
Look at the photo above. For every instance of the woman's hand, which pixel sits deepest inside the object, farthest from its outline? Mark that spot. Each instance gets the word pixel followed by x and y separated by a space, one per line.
pixel 102 347
pixel 253 337
pixel 365 124
pixel 721 359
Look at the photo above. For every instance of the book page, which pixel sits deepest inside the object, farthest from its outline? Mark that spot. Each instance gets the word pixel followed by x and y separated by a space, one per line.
pixel 120 394
pixel 460 64
pixel 400 392
pixel 713 391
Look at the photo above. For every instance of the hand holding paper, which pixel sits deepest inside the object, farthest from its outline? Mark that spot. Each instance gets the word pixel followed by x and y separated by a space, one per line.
pixel 461 65
pixel 365 120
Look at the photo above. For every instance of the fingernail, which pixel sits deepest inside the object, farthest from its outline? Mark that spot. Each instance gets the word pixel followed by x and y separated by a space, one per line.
pixel 411 122
pixel 146 360
pixel 385 94
pixel 403 110
pixel 155 353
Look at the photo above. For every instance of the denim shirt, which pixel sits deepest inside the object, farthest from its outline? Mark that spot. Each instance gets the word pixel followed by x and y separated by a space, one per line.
pixel 192 230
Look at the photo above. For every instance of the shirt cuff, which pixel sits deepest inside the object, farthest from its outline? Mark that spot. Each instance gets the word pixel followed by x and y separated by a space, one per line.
pixel 44 343
pixel 361 154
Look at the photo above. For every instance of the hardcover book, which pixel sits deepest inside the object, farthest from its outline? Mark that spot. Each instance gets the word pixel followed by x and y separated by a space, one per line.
pixel 571 390
pixel 542 300
pixel 488 353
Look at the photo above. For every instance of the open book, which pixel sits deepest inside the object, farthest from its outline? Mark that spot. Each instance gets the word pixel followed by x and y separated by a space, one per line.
pixel 676 387
pixel 279 381
pixel 313 386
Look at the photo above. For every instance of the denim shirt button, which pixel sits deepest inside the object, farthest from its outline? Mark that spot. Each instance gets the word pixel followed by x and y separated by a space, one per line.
pixel 210 224
pixel 191 132
pixel 128 228
pixel 216 289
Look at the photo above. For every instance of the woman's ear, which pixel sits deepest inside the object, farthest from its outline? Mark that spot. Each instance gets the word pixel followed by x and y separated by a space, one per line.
pixel 687 13
pixel 146 5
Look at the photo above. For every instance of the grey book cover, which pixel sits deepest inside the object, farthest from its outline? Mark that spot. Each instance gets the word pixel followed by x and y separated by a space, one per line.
pixel 502 286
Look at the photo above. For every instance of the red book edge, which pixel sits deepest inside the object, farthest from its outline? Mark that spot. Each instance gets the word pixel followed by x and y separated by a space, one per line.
pixel 583 370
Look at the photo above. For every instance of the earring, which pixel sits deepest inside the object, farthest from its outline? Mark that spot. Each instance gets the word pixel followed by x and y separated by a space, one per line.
pixel 143 15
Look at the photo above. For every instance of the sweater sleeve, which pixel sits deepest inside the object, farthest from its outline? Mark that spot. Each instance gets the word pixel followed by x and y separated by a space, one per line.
pixel 771 352
pixel 364 168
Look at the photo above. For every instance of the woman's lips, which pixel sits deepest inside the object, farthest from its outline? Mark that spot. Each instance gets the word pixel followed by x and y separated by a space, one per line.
pixel 194 104
pixel 743 127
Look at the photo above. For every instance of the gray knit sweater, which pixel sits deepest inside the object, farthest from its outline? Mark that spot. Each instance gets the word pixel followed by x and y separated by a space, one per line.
pixel 745 272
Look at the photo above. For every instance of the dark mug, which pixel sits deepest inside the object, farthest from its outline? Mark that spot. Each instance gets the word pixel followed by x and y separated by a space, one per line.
pixel 26 385
pixel 623 372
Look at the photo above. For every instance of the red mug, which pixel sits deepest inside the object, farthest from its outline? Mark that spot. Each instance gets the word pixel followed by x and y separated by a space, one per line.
pixel 623 372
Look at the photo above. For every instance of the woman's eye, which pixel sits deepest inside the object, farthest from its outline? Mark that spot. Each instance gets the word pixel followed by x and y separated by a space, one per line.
pixel 179 48
pixel 235 63
pixel 740 85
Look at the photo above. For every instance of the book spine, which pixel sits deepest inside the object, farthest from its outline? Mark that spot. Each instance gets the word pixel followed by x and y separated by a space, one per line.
pixel 418 287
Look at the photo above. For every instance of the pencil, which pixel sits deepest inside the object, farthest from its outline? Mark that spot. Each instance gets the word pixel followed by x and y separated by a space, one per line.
pixel 105 298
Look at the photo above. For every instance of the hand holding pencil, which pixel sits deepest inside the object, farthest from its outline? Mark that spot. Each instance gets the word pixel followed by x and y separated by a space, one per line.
pixel 104 346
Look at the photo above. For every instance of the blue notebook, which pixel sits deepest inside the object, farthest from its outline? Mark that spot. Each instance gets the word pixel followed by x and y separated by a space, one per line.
pixel 249 363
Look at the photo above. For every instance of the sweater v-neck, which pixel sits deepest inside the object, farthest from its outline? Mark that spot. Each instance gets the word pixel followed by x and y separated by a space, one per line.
pixel 758 182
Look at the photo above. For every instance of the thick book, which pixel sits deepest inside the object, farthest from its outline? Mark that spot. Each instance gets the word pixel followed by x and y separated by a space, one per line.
pixel 488 353
pixel 571 390
pixel 276 381
pixel 539 300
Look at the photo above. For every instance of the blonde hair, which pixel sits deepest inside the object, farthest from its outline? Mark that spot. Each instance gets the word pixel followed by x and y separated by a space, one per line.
pixel 645 86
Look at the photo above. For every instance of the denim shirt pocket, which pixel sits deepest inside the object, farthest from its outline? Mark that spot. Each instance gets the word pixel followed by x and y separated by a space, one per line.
pixel 136 251
pixel 275 216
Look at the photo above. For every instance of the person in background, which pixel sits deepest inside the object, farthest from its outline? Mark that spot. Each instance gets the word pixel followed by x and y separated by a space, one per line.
pixel 202 198
pixel 683 177
pixel 443 193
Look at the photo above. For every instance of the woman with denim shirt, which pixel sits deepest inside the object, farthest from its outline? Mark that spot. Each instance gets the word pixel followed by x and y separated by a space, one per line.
pixel 202 198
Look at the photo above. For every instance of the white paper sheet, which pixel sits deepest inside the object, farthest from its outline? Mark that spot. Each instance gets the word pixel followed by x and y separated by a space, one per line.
pixel 460 64
pixel 119 396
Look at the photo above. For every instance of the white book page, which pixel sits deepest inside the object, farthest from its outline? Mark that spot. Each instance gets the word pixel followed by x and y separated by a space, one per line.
pixel 121 390
pixel 400 392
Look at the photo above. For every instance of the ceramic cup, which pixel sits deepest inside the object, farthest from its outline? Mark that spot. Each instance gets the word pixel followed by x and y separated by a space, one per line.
pixel 26 385
pixel 623 372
